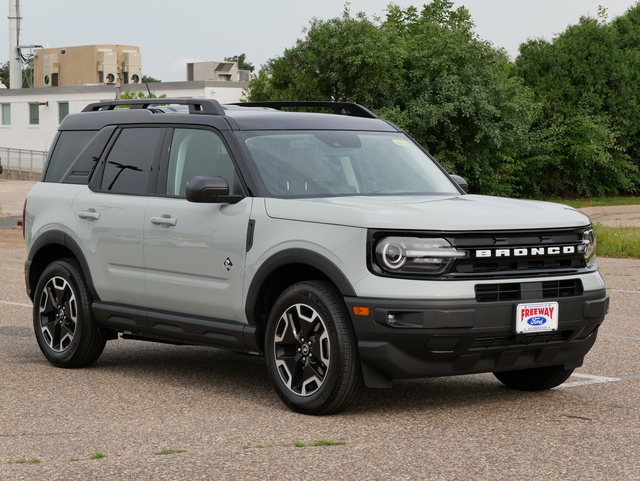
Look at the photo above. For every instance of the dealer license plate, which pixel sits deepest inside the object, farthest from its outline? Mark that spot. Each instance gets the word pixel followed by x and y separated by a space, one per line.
pixel 538 317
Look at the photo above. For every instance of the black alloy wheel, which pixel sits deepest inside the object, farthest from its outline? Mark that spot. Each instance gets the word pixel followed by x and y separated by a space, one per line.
pixel 62 318
pixel 311 349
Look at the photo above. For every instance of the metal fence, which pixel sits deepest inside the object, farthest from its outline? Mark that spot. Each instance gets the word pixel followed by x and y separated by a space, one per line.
pixel 22 161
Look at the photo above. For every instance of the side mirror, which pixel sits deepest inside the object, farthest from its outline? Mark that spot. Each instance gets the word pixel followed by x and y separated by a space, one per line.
pixel 461 182
pixel 210 190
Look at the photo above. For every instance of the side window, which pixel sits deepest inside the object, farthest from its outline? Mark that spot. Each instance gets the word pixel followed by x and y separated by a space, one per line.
pixel 129 163
pixel 70 143
pixel 6 114
pixel 197 152
pixel 34 114
pixel 63 110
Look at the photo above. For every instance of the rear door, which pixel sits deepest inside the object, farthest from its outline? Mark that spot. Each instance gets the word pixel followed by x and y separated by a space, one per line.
pixel 108 218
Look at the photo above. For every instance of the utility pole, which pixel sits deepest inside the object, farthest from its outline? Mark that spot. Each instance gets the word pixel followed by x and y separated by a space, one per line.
pixel 15 59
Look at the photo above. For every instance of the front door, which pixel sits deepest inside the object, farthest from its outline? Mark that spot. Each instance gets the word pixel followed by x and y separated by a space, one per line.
pixel 194 254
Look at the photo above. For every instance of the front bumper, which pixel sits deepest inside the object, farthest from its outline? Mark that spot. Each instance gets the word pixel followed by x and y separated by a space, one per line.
pixel 445 338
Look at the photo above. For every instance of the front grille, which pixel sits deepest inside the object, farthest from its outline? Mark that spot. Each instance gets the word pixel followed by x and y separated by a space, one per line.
pixel 528 290
pixel 510 253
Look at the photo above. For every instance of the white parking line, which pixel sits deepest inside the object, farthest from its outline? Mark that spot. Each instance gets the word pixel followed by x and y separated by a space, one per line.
pixel 590 379
pixel 15 304
pixel 617 336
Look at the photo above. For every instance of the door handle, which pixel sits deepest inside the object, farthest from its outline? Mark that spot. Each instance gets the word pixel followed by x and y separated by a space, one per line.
pixel 164 220
pixel 89 214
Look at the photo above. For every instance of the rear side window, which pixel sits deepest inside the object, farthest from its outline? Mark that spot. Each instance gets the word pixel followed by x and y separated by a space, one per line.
pixel 129 164
pixel 67 148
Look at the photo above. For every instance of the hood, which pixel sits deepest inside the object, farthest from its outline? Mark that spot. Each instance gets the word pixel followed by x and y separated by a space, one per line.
pixel 441 213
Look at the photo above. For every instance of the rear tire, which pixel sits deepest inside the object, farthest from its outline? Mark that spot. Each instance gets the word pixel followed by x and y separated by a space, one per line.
pixel 536 379
pixel 311 350
pixel 62 318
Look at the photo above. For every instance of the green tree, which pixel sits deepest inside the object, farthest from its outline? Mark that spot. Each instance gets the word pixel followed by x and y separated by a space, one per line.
pixel 27 75
pixel 4 73
pixel 149 79
pixel 588 130
pixel 424 70
pixel 459 99
pixel 128 94
pixel 342 59
pixel 242 62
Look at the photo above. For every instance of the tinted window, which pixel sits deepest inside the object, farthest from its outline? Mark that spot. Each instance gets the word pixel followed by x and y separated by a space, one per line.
pixel 129 163
pixel 67 148
pixel 197 152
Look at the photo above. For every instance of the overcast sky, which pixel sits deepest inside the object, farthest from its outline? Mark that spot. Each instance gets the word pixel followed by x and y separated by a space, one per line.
pixel 170 34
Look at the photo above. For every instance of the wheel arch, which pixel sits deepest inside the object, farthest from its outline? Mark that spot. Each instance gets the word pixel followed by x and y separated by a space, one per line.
pixel 50 246
pixel 284 269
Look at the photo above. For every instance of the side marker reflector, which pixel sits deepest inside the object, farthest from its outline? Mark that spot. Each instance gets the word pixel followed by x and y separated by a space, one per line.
pixel 361 311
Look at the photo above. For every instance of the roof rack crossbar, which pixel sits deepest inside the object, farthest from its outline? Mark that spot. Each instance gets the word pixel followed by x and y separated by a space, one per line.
pixel 196 106
pixel 341 108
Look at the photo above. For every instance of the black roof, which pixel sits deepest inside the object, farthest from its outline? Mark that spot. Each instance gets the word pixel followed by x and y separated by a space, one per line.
pixel 246 116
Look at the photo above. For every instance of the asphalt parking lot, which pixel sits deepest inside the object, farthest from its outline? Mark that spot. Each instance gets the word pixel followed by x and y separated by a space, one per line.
pixel 152 411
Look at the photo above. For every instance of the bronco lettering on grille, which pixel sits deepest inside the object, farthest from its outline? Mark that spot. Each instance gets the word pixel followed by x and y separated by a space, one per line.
pixel 527 251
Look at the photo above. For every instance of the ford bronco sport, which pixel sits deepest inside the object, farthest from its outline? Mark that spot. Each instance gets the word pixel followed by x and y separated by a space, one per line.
pixel 331 243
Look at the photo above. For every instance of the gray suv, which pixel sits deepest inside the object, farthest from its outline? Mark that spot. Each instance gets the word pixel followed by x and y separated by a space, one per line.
pixel 330 243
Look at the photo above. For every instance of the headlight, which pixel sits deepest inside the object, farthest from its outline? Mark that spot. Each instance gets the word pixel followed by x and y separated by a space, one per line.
pixel 589 241
pixel 413 255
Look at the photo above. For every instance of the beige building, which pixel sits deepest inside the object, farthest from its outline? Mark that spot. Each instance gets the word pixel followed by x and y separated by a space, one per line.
pixel 87 65
pixel 217 71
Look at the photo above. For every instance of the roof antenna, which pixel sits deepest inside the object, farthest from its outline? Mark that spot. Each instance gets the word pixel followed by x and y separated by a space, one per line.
pixel 148 89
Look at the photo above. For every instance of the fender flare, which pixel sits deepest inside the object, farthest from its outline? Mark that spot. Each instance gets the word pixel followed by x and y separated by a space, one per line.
pixel 56 237
pixel 294 256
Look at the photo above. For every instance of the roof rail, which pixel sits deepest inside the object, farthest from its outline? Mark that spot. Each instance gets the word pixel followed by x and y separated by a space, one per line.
pixel 342 108
pixel 196 106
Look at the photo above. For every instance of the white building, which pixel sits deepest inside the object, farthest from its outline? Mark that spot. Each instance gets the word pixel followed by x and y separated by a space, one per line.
pixel 29 118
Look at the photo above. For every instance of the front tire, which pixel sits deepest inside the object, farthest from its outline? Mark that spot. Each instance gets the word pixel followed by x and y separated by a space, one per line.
pixel 536 379
pixel 311 350
pixel 62 318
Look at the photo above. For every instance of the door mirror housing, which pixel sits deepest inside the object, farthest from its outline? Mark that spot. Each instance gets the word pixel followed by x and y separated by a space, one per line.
pixel 461 182
pixel 210 190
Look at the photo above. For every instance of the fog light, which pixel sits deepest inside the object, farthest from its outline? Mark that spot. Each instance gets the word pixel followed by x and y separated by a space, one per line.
pixel 391 318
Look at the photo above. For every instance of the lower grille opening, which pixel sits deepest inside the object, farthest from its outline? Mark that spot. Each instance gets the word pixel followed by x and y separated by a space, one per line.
pixel 566 288
pixel 498 292
pixel 513 291
pixel 519 340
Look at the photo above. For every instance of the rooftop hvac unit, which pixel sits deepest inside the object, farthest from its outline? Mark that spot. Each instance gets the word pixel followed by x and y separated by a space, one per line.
pixel 132 67
pixel 107 67
pixel 50 69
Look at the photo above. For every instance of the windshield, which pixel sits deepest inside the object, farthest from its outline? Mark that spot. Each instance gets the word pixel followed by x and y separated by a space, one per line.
pixel 330 163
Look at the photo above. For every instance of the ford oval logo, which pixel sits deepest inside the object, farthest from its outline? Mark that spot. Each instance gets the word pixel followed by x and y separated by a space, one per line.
pixel 536 321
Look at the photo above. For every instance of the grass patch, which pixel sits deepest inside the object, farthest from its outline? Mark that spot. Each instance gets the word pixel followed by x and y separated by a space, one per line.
pixel 98 456
pixel 298 444
pixel 166 452
pixel 26 461
pixel 323 442
pixel 596 201
pixel 619 242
